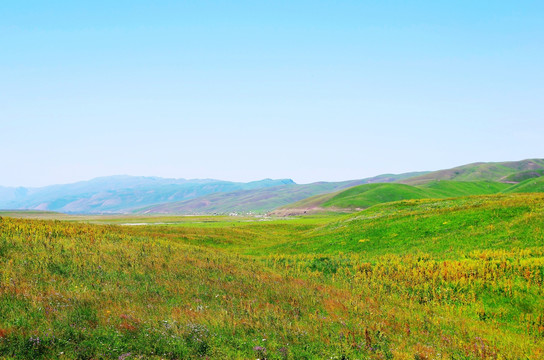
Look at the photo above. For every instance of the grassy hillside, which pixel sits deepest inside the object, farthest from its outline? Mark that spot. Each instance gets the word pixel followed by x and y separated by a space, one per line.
pixel 443 227
pixel 261 200
pixel 527 186
pixel 457 278
pixel 471 179
pixel 364 196
pixel 497 171
pixel 524 175
pixel 443 189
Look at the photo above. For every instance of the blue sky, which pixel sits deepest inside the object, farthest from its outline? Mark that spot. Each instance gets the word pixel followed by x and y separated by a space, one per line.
pixel 244 90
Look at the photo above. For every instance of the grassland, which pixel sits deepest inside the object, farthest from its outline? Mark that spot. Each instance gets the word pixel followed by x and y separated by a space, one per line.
pixel 417 279
pixel 524 175
pixel 294 199
pixel 491 171
pixel 530 185
pixel 367 195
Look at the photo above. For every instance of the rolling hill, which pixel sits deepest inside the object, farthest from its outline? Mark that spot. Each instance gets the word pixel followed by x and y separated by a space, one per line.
pixel 132 194
pixel 471 179
pixel 492 171
pixel 444 227
pixel 528 186
pixel 365 196
pixel 261 200
pixel 523 175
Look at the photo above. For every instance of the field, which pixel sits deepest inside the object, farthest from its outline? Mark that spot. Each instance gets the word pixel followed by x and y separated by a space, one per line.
pixel 367 195
pixel 457 278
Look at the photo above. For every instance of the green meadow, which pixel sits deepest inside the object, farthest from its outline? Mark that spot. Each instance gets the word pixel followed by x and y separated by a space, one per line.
pixel 271 180
pixel 456 278
pixel 367 195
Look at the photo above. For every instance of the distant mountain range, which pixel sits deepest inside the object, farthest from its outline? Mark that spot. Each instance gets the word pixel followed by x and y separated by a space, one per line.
pixel 154 195
pixel 264 199
pixel 114 194
pixel 129 194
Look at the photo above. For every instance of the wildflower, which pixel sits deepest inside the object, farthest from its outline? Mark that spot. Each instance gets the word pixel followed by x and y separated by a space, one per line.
pixel 124 356
pixel 261 351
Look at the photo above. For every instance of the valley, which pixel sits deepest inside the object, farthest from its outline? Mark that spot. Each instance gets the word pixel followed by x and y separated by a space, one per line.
pixel 443 269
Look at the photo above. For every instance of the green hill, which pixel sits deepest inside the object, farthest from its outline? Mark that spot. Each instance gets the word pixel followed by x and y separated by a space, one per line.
pixel 443 189
pixel 262 200
pixel 471 179
pixel 443 227
pixel 527 186
pixel 364 196
pixel 524 175
pixel 492 171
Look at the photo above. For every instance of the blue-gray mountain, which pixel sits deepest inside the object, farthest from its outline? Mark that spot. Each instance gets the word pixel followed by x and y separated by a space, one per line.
pixel 117 194
pixel 128 194
pixel 124 194
pixel 265 199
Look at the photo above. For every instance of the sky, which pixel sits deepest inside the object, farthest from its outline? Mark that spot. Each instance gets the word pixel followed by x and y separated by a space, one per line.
pixel 245 90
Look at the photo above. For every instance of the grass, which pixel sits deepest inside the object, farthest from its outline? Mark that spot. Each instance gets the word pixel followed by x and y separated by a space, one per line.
pixel 444 228
pixel 367 195
pixel 524 175
pixel 491 171
pixel 417 279
pixel 527 186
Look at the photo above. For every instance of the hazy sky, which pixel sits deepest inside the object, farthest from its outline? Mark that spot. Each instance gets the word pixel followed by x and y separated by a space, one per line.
pixel 243 90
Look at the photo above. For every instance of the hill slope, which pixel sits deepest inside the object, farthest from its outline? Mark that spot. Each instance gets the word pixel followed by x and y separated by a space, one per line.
pixel 527 186
pixel 261 200
pixel 524 175
pixel 364 196
pixel 492 171
pixel 444 227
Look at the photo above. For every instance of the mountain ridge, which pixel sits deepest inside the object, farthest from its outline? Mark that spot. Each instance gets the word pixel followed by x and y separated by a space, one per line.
pixel 493 171
pixel 488 178
pixel 262 200
pixel 119 193
pixel 150 194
